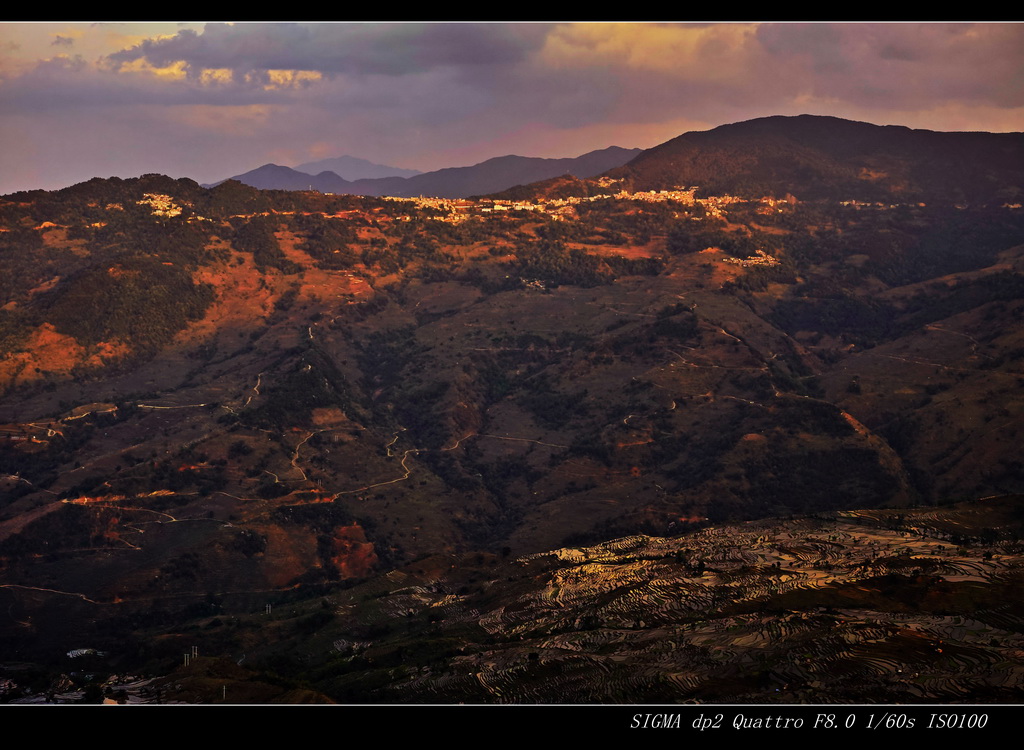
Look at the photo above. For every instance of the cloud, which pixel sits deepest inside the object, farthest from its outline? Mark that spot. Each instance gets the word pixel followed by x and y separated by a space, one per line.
pixel 71 83
pixel 685 50
pixel 328 48
pixel 902 65
pixel 62 41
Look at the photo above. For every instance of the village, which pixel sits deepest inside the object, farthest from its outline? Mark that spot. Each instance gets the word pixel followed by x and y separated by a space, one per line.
pixel 456 211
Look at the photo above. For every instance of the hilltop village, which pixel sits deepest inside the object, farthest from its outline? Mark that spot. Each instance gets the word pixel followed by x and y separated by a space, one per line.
pixel 456 211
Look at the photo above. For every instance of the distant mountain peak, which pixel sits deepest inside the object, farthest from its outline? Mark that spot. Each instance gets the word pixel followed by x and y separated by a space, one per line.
pixel 352 168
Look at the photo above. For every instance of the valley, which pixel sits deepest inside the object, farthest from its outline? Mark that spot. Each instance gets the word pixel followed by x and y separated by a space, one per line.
pixel 616 439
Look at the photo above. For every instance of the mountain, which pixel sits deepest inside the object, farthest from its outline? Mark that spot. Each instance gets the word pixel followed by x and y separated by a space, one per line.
pixel 825 157
pixel 600 444
pixel 275 177
pixel 350 168
pixel 504 172
pixel 490 176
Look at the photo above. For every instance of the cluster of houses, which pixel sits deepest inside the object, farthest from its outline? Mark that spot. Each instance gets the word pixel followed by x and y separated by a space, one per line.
pixel 162 205
pixel 457 211
pixel 858 205
pixel 760 259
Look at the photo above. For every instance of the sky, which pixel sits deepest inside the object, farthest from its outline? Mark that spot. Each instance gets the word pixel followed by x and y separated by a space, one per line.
pixel 207 101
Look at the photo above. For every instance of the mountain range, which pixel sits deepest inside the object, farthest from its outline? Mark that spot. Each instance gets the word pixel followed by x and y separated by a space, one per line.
pixel 491 176
pixel 735 421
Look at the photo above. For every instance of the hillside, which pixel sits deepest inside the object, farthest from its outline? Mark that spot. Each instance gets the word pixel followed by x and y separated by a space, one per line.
pixel 409 426
pixel 816 157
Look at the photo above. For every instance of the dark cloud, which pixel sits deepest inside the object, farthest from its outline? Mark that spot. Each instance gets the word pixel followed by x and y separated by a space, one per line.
pixel 902 65
pixel 71 83
pixel 389 49
pixel 897 52
pixel 62 41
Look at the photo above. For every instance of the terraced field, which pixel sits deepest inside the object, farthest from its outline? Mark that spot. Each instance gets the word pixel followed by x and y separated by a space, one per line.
pixel 812 610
